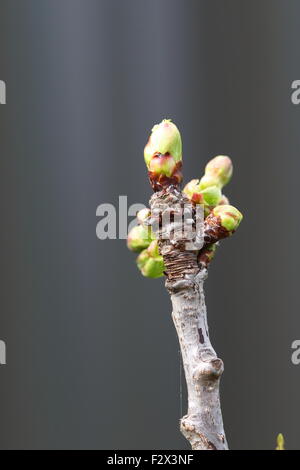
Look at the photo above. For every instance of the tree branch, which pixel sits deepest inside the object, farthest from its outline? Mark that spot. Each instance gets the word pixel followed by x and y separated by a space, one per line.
pixel 203 424
pixel 180 233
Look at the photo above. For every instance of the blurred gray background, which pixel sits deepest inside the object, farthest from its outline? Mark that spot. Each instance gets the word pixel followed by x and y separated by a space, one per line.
pixel 92 354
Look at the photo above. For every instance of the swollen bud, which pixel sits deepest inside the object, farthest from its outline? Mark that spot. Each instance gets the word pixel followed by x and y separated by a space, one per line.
pixel 230 217
pixel 163 155
pixel 210 196
pixel 221 223
pixel 162 165
pixel 207 181
pixel 193 192
pixel 165 138
pixel 139 238
pixel 218 172
pixel 150 262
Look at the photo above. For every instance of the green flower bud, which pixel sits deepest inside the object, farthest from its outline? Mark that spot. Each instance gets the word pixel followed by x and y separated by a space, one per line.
pixel 220 169
pixel 154 268
pixel 150 262
pixel 280 442
pixel 207 181
pixel 139 238
pixel 143 214
pixel 192 190
pixel 212 196
pixel 162 165
pixel 164 139
pixel 221 223
pixel 163 155
pixel 230 217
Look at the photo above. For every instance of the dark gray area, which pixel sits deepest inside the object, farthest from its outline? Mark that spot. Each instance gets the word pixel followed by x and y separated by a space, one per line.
pixel 92 354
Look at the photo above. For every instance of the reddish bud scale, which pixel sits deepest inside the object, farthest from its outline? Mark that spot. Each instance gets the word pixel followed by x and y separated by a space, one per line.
pixel 197 198
pixel 206 255
pixel 213 229
pixel 164 172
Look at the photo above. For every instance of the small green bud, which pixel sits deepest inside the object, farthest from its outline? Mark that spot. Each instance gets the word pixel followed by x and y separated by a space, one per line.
pixel 139 238
pixel 153 268
pixel 162 165
pixel 150 262
pixel 220 168
pixel 207 181
pixel 192 190
pixel 164 139
pixel 280 442
pixel 143 214
pixel 221 223
pixel 163 155
pixel 230 217
pixel 218 172
pixel 212 196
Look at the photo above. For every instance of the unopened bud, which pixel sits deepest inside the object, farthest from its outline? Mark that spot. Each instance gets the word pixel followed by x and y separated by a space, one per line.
pixel 221 223
pixel 165 138
pixel 209 196
pixel 150 262
pixel 207 181
pixel 163 155
pixel 193 192
pixel 212 196
pixel 230 217
pixel 218 172
pixel 139 238
pixel 162 165
pixel 221 168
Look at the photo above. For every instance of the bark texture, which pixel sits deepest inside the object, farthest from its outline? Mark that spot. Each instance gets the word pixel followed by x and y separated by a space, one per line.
pixel 181 232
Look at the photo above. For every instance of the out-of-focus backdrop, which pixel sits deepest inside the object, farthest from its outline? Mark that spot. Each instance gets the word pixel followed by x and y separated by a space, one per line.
pixel 92 354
